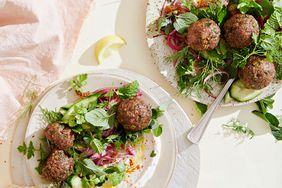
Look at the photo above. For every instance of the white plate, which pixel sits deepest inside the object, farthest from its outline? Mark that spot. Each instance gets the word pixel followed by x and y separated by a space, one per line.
pixel 160 51
pixel 153 168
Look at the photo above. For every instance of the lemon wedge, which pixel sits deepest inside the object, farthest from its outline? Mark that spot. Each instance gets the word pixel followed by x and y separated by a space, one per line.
pixel 106 45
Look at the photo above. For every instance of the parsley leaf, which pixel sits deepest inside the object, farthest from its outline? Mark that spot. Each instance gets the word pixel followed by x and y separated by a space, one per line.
pixel 22 148
pixel 78 82
pixel 129 90
pixel 158 112
pixel 215 11
pixel 28 151
pixel 79 110
pixel 153 154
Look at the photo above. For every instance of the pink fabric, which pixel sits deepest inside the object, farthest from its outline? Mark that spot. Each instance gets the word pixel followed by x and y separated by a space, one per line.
pixel 36 42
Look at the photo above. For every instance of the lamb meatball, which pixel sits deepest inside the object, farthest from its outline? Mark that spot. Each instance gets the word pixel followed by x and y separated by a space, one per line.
pixel 133 114
pixel 206 3
pixel 203 34
pixel 61 136
pixel 58 166
pixel 238 30
pixel 258 73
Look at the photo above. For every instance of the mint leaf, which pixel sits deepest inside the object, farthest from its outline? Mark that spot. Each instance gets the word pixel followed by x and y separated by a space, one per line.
pixel 272 119
pixel 162 22
pixel 183 21
pixel 90 165
pixel 156 128
pixel 98 118
pixel 201 108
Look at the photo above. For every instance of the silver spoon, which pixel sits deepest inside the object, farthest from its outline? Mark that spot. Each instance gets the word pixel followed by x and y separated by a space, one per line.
pixel 197 132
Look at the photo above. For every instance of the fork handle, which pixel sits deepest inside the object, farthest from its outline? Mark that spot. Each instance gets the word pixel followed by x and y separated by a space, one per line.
pixel 196 133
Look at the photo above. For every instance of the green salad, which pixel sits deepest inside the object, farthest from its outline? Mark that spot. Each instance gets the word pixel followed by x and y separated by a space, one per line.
pixel 95 140
pixel 216 40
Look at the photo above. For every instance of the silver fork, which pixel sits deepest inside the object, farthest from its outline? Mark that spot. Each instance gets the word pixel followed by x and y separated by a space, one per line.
pixel 197 132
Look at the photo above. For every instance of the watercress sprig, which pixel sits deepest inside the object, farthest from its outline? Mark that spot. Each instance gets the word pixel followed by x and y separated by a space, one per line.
pixel 264 106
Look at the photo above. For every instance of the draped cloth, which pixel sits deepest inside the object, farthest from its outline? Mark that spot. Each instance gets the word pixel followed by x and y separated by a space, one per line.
pixel 36 43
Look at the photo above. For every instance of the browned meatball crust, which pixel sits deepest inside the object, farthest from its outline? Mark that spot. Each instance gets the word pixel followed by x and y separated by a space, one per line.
pixel 238 30
pixel 203 34
pixel 61 136
pixel 58 166
pixel 206 3
pixel 133 114
pixel 258 73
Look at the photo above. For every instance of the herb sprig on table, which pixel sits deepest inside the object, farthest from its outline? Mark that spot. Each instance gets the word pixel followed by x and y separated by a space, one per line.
pixel 264 106
pixel 239 128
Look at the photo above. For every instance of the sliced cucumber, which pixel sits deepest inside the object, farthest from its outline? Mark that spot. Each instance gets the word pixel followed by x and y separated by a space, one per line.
pixel 227 97
pixel 76 182
pixel 242 94
pixel 84 102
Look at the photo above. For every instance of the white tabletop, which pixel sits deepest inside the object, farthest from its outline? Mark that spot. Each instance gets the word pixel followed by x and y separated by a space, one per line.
pixel 223 161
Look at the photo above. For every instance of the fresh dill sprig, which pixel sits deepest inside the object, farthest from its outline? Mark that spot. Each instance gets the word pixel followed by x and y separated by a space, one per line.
pixel 50 116
pixel 29 97
pixel 239 128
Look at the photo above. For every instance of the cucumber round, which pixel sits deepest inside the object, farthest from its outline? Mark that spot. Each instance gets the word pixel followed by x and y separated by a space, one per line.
pixel 76 182
pixel 242 94
pixel 84 102
pixel 227 97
